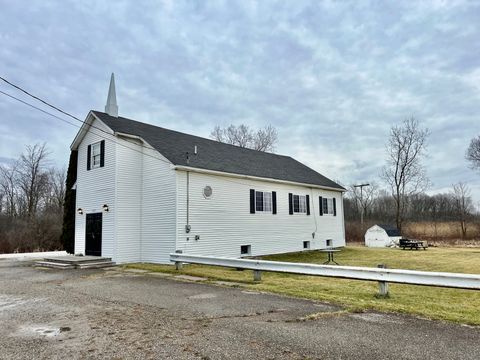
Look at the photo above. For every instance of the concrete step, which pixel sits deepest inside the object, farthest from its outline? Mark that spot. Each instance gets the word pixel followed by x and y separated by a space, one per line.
pixel 77 259
pixel 95 265
pixel 54 265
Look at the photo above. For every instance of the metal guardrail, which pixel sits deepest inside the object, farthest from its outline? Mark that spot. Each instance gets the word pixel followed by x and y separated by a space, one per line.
pixel 382 275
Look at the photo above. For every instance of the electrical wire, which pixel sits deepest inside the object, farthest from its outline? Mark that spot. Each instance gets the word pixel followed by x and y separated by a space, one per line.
pixel 93 132
pixel 60 110
pixel 37 108
pixel 83 123
pixel 94 127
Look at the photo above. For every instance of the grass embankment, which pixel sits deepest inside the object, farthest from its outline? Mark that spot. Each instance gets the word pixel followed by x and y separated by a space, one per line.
pixel 461 306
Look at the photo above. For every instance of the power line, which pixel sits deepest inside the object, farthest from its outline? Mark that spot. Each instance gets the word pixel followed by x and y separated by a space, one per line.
pixel 83 122
pixel 77 119
pixel 79 127
pixel 37 108
pixel 39 99
pixel 60 110
pixel 101 136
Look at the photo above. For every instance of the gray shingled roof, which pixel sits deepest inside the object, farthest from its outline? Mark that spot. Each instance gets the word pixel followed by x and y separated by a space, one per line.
pixel 390 230
pixel 214 155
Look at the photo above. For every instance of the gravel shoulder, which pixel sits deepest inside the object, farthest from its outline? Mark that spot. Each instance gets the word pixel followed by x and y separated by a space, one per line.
pixel 53 314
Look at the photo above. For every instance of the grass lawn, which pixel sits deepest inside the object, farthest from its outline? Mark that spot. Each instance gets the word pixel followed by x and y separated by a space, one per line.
pixel 435 303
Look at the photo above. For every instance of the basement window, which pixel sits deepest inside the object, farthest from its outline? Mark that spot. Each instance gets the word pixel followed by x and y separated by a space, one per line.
pixel 245 250
pixel 306 245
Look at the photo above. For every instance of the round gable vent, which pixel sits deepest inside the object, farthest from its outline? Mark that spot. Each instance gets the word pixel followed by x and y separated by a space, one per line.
pixel 207 192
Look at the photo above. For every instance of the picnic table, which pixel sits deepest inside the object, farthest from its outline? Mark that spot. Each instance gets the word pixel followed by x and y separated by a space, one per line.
pixel 330 253
pixel 412 244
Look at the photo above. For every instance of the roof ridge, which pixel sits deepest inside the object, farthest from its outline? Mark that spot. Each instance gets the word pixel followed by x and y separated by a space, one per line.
pixel 216 155
pixel 196 136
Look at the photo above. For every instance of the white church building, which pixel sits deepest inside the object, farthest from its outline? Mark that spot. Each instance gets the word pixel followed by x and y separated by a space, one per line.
pixel 143 192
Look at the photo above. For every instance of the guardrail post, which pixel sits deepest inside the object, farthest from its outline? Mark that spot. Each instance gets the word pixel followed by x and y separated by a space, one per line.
pixel 382 285
pixel 178 264
pixel 257 275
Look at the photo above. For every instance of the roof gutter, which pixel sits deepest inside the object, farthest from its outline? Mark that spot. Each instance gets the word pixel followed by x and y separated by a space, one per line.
pixel 250 177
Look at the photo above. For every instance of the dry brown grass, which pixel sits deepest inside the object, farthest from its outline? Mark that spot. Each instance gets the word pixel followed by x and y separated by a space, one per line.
pixel 444 233
pixel 439 234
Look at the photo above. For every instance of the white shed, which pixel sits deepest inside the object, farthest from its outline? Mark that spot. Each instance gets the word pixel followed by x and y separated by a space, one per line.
pixel 381 235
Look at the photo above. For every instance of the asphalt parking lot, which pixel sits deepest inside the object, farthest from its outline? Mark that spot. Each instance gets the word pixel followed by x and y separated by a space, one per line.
pixel 76 314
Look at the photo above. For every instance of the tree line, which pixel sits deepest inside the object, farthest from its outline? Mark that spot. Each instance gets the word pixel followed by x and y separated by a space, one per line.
pixel 34 196
pixel 31 202
pixel 379 206
pixel 404 199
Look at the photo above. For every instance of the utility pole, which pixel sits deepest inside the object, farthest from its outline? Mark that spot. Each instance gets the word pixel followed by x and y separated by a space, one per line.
pixel 361 186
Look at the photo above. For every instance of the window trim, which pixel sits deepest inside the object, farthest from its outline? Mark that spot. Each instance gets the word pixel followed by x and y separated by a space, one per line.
pixel 328 209
pixel 98 155
pixel 300 203
pixel 265 201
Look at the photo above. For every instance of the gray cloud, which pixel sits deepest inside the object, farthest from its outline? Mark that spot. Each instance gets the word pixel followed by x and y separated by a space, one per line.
pixel 333 77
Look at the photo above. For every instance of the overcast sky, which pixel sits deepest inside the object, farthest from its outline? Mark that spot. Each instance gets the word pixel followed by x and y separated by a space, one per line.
pixel 332 77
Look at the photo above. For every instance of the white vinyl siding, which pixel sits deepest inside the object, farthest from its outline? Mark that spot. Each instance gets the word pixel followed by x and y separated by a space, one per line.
pixel 129 200
pixel 146 204
pixel 158 208
pixel 147 201
pixel 223 223
pixel 139 187
pixel 96 188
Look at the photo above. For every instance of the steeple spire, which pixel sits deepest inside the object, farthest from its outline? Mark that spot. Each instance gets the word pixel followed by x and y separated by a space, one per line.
pixel 111 108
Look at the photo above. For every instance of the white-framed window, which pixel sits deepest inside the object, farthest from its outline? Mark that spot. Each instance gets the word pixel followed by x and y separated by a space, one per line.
pixel 328 206
pixel 299 204
pixel 96 154
pixel 263 201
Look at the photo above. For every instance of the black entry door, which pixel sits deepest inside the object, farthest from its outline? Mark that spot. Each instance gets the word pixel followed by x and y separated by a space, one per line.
pixel 93 235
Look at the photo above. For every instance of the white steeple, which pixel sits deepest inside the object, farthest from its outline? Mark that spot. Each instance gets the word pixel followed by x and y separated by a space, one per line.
pixel 112 108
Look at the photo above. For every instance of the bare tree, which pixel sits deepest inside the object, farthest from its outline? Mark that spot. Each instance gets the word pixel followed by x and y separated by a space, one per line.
pixel 262 140
pixel 2 195
pixel 463 205
pixel 31 203
pixel 473 152
pixel 9 187
pixel 56 189
pixel 365 198
pixel 404 172
pixel 265 139
pixel 32 177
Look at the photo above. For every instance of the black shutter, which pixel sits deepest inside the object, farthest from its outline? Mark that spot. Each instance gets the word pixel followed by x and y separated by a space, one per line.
pixel 307 200
pixel 321 205
pixel 274 202
pixel 334 207
pixel 252 201
pixel 89 155
pixel 290 203
pixel 102 153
